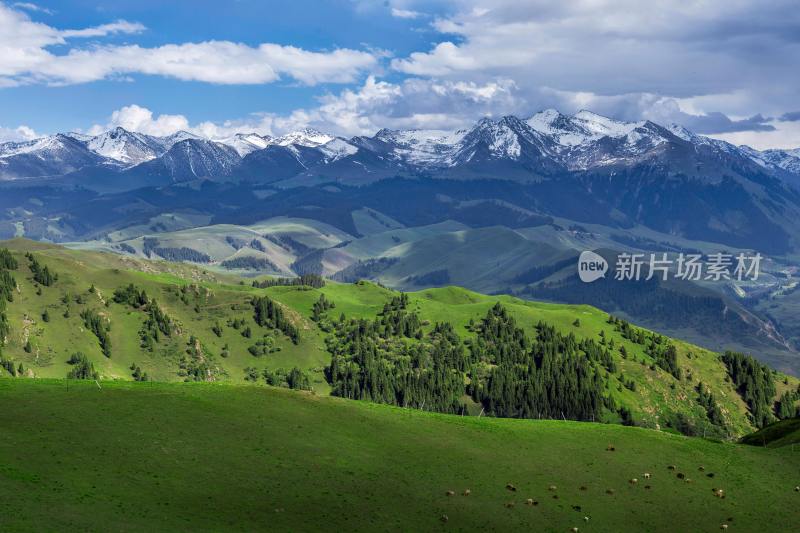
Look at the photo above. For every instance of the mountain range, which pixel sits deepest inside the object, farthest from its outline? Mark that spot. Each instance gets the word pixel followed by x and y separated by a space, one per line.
pixel 545 144
pixel 502 206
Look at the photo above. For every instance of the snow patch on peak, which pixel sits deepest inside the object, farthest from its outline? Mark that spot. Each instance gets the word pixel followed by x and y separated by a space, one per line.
pixel 125 146
pixel 337 149
pixel 308 137
pixel 245 143
pixel 604 126
pixel 543 121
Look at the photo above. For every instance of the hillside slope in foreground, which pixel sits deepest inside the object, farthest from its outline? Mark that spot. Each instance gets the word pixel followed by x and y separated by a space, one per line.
pixel 122 456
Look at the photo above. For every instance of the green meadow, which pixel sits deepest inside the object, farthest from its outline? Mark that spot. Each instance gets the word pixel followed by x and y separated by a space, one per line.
pixel 212 457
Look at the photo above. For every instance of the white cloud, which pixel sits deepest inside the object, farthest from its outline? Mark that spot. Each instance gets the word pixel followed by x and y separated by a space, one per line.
pixel 140 119
pixel 32 7
pixel 20 133
pixel 26 58
pixel 120 26
pixel 405 13
pixel 414 104
pixel 786 135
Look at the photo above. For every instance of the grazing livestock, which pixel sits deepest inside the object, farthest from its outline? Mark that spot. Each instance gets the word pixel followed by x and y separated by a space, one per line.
pixel 509 505
pixel 552 488
pixel 574 530
pixel 724 526
pixel 681 475
pixel 529 501
pixel 702 468
pixel 633 481
pixel 647 487
pixel 467 492
pixel 647 475
pixel 444 518
pixel 797 488
pixel 584 488
pixel 610 448
pixel 671 467
pixel 511 487
pixel 450 493
pixel 609 491
pixel 585 518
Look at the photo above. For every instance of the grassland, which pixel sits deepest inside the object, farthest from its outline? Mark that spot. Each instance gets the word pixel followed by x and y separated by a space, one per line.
pixel 213 457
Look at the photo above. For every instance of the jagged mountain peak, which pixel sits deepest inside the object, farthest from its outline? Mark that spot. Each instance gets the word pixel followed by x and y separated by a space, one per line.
pixel 126 147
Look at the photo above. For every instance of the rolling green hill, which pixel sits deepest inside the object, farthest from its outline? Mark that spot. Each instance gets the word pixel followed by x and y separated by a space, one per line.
pixel 213 457
pixel 776 435
pixel 211 334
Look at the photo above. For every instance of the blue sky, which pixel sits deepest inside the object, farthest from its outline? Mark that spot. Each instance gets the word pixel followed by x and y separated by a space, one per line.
pixel 354 66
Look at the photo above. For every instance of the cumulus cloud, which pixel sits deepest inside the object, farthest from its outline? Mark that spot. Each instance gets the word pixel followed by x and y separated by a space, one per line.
pixel 414 103
pixel 141 120
pixel 27 57
pixel 411 104
pixel 20 133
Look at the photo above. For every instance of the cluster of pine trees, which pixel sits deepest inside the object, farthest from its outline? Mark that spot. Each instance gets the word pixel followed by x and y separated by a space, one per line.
pixel 785 406
pixel 293 379
pixel 550 376
pixel 82 368
pixel 41 273
pixel 309 280
pixel 656 346
pixel 321 307
pixel 390 360
pixel 100 327
pixel 264 346
pixel 131 296
pixel 707 401
pixel 156 324
pixel 138 374
pixel 754 383
pixel 269 314
pixel 7 287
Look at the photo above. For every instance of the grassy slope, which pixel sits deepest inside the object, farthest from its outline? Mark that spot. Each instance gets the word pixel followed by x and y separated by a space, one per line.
pixel 776 435
pixel 53 342
pixel 211 457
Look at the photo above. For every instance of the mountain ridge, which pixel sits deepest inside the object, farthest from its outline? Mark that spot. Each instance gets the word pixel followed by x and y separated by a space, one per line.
pixel 555 142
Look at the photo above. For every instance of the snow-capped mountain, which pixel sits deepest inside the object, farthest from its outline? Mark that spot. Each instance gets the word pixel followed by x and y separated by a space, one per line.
pixel 187 160
pixel 308 137
pixel 126 147
pixel 245 143
pixel 787 160
pixel 54 155
pixel 548 143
